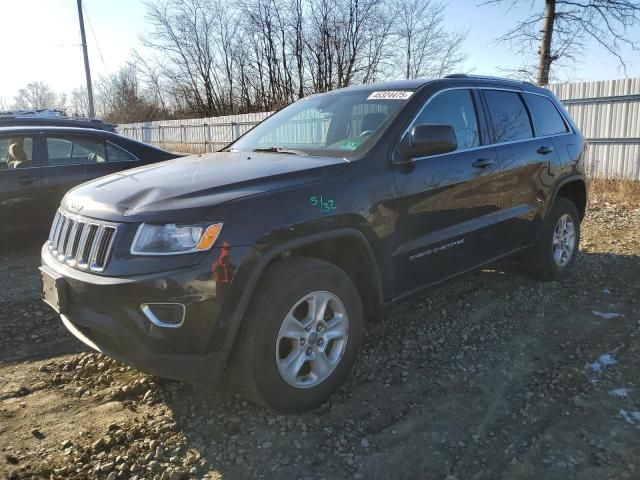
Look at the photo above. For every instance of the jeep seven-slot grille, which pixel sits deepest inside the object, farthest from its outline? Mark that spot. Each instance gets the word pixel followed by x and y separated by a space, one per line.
pixel 81 242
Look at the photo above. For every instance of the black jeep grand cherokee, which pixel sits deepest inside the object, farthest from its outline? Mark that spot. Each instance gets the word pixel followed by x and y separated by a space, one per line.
pixel 271 255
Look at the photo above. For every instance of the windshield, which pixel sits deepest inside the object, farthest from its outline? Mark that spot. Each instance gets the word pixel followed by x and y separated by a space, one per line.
pixel 331 124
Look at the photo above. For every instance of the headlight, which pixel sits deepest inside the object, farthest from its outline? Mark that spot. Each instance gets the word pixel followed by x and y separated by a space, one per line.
pixel 173 238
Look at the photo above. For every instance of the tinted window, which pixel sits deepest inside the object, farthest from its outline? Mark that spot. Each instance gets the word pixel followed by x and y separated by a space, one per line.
pixel 69 150
pixel 547 118
pixel 117 154
pixel 455 108
pixel 16 151
pixel 509 116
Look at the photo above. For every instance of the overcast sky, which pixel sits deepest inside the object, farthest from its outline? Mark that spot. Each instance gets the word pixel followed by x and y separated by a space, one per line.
pixel 40 41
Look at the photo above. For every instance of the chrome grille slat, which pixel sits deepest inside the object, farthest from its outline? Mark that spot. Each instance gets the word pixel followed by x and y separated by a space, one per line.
pixel 80 242
pixel 54 226
pixel 68 247
pixel 56 235
pixel 63 235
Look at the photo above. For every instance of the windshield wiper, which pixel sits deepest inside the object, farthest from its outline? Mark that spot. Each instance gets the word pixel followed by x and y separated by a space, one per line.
pixel 287 151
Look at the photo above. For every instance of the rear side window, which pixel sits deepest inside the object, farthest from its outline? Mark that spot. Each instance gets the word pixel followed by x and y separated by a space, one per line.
pixel 117 154
pixel 16 151
pixel 455 108
pixel 546 116
pixel 509 116
pixel 71 150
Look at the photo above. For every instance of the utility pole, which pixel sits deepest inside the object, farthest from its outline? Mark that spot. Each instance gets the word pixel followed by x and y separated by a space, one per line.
pixel 87 71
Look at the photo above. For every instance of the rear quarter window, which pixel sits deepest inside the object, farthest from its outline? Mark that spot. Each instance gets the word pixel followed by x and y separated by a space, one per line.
pixel 546 117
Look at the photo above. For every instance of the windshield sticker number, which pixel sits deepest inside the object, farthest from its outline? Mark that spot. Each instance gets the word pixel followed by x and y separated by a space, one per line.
pixel 390 95
pixel 325 205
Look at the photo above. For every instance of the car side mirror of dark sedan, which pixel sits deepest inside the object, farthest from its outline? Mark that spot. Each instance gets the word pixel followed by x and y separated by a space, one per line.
pixel 425 140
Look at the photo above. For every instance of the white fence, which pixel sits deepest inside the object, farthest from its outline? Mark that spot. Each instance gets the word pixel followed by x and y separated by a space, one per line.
pixel 196 135
pixel 607 113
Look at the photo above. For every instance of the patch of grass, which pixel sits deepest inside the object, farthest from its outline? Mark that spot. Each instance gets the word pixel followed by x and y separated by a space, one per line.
pixel 614 191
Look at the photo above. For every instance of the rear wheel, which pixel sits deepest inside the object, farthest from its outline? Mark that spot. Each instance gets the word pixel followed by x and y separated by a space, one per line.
pixel 555 252
pixel 301 336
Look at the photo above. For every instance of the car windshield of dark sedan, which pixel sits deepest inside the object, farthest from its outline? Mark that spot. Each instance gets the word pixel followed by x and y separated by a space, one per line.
pixel 331 124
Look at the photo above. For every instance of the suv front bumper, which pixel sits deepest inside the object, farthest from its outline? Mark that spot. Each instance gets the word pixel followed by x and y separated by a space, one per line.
pixel 106 314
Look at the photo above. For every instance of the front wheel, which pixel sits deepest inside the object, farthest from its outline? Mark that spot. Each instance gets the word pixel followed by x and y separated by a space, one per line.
pixel 301 335
pixel 557 247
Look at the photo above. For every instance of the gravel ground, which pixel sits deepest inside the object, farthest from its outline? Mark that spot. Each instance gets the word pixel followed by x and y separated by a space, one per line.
pixel 490 376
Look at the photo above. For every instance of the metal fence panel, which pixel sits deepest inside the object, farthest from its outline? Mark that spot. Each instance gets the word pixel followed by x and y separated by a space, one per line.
pixel 607 112
pixel 608 115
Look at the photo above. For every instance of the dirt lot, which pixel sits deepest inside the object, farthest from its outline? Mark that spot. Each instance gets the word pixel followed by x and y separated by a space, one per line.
pixel 491 376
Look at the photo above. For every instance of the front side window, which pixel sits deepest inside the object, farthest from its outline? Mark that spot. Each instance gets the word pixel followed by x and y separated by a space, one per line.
pixel 454 108
pixel 547 118
pixel 509 116
pixel 16 151
pixel 71 150
pixel 332 124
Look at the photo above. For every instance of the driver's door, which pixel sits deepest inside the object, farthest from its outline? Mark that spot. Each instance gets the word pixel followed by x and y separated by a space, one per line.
pixel 446 203
pixel 67 158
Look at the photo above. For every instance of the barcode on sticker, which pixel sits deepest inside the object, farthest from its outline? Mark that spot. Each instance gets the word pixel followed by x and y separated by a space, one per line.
pixel 390 95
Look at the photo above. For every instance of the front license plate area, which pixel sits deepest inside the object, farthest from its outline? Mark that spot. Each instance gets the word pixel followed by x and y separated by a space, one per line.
pixel 54 291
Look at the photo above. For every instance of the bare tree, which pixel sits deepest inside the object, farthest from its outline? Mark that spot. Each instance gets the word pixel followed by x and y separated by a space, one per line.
pixel 215 57
pixel 121 100
pixel 79 102
pixel 429 49
pixel 38 96
pixel 4 105
pixel 559 28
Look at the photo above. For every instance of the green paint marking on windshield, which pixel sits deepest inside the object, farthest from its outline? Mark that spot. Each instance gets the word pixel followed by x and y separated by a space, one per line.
pixel 350 143
pixel 325 205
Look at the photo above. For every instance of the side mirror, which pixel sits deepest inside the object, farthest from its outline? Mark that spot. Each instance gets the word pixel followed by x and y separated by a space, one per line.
pixel 424 140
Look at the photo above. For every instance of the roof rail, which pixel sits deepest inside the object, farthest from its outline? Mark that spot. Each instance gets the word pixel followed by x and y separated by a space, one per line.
pixel 486 77
pixel 50 117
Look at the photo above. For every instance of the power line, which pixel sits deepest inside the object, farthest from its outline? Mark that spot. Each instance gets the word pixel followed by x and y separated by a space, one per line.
pixel 93 34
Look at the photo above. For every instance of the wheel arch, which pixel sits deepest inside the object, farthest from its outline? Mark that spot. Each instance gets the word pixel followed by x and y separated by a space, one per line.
pixel 334 246
pixel 575 189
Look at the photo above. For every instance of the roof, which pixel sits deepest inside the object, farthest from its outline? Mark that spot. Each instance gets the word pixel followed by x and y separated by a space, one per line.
pixel 51 117
pixel 50 128
pixel 414 84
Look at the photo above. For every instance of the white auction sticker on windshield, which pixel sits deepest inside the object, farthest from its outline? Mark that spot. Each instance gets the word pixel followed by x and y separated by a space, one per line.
pixel 390 95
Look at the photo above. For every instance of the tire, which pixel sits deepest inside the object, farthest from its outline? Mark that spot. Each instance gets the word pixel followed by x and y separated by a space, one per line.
pixel 263 364
pixel 542 260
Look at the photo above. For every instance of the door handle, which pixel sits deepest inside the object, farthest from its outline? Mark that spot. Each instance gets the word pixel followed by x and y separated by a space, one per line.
pixel 26 180
pixel 482 163
pixel 544 150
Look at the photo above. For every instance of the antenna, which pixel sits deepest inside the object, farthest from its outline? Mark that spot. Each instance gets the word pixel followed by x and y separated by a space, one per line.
pixel 87 70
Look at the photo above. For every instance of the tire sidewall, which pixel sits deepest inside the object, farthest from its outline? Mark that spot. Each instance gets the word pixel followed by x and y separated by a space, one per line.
pixel 273 308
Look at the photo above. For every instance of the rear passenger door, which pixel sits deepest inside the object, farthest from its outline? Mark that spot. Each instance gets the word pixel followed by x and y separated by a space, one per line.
pixel 19 184
pixel 446 204
pixel 525 161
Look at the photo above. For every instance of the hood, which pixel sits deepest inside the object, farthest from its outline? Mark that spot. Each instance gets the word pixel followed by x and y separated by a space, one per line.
pixel 185 189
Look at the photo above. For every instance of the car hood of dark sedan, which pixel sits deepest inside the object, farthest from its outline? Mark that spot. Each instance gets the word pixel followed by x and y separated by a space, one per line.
pixel 185 189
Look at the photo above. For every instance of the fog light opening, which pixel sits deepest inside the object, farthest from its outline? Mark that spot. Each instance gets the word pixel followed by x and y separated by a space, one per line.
pixel 164 315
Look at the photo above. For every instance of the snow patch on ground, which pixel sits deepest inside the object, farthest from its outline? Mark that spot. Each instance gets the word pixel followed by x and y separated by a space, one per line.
pixel 630 417
pixel 619 392
pixel 602 362
pixel 607 315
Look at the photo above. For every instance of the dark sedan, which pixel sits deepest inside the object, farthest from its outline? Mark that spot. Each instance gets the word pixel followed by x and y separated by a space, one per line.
pixel 39 164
